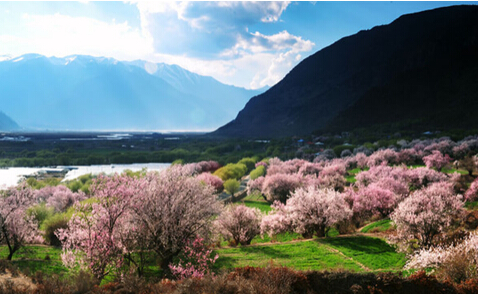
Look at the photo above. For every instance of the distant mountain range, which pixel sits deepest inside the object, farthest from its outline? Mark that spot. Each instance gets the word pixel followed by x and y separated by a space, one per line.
pixel 7 124
pixel 94 93
pixel 419 72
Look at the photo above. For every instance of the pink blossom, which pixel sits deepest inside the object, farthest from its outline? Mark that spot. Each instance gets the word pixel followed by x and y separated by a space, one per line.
pixel 315 210
pixel 240 223
pixel 426 213
pixel 436 160
pixel 211 180
pixel 16 229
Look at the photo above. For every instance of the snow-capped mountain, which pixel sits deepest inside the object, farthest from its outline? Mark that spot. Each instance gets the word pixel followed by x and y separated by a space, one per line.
pixel 81 92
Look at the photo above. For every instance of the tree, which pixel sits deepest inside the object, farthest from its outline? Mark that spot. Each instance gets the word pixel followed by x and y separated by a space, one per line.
pixel 436 160
pixel 95 234
pixel 239 223
pixel 472 193
pixel 211 180
pixel 374 199
pixel 16 228
pixel 232 186
pixel 279 186
pixel 173 209
pixel 426 213
pixel 314 210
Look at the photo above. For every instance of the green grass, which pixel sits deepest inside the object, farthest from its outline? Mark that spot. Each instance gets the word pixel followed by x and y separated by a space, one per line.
pixel 471 205
pixel 452 170
pixel 378 226
pixel 255 200
pixel 350 179
pixel 307 255
pixel 354 171
pixel 374 253
pixel 34 258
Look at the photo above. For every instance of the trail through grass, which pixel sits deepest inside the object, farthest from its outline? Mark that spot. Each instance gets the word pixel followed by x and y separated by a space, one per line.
pixel 374 253
pixel 378 226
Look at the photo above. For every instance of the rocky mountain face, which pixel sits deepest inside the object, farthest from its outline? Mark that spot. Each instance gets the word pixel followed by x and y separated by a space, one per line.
pixel 95 93
pixel 421 70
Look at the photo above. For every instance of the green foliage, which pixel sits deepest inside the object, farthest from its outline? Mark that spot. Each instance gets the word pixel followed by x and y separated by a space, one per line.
pixel 177 161
pixel 338 149
pixel 249 162
pixel 35 184
pixel 231 171
pixel 82 183
pixel 50 225
pixel 40 212
pixel 258 172
pixel 137 174
pixel 232 186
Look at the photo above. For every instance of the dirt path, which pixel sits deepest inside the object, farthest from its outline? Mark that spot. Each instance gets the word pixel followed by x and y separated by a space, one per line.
pixel 346 257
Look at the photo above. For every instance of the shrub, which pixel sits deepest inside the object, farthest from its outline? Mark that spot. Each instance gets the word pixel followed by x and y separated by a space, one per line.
pixel 259 171
pixel 250 163
pixel 51 225
pixel 231 171
pixel 195 261
pixel 40 213
pixel 232 186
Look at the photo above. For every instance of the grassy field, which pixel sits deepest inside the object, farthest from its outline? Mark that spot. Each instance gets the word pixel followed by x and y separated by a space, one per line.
pixel 356 253
pixel 374 253
pixel 37 258
pixel 378 226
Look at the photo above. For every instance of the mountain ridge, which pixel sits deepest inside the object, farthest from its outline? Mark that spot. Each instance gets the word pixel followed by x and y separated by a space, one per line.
pixel 316 93
pixel 81 92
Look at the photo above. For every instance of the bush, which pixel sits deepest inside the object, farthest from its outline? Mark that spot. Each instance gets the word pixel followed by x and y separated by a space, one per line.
pixel 249 163
pixel 40 213
pixel 58 221
pixel 259 171
pixel 231 171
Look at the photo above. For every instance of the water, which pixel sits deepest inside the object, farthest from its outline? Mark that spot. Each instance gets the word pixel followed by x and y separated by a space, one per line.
pixel 12 176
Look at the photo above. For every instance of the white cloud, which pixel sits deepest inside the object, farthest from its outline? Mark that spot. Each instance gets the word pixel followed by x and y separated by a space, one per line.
pixel 62 35
pixel 209 38
pixel 212 38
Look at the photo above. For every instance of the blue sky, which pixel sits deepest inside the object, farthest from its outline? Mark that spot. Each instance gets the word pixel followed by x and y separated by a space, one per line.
pixel 247 44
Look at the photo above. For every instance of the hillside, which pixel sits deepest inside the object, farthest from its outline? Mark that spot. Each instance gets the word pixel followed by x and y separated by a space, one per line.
pixel 7 124
pixel 94 93
pixel 420 71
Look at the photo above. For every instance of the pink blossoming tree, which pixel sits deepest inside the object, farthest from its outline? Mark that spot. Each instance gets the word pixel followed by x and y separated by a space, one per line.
pixel 16 229
pixel 426 213
pixel 239 223
pixel 314 211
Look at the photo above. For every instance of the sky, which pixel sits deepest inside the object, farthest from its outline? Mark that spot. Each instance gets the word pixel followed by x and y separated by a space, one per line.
pixel 246 44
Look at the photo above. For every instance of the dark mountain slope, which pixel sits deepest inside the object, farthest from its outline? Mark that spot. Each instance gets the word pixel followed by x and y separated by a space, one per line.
pixel 339 86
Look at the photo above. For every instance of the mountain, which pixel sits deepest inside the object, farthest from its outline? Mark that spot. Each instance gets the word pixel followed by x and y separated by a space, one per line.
pixel 95 93
pixel 420 71
pixel 7 124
